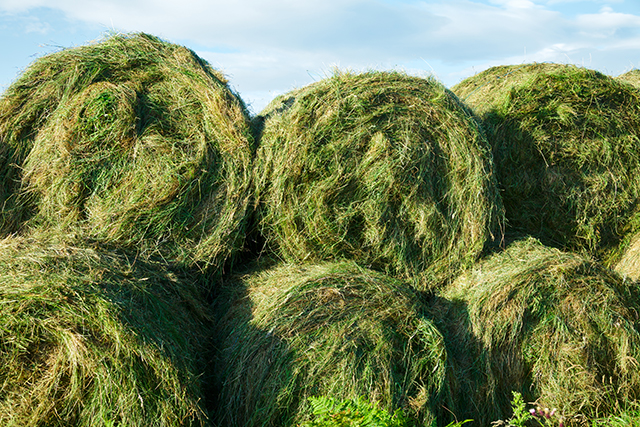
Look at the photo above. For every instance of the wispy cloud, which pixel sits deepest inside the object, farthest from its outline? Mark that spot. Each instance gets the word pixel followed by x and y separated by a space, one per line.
pixel 268 47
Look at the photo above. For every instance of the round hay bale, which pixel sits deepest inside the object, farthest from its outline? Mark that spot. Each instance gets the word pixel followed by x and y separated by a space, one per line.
pixel 385 169
pixel 131 141
pixel 91 338
pixel 554 326
pixel 632 77
pixel 566 151
pixel 334 330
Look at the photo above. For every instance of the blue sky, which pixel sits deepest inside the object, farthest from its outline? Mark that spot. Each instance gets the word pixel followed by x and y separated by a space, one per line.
pixel 267 47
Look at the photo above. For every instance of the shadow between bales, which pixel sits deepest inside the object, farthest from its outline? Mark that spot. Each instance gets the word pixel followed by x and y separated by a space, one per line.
pixel 474 378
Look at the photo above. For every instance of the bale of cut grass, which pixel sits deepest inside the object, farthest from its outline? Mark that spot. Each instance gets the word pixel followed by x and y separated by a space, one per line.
pixel 90 338
pixel 632 77
pixel 552 325
pixel 130 141
pixel 333 330
pixel 566 151
pixel 382 168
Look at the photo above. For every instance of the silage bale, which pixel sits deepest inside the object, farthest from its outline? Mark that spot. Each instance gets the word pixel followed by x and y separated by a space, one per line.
pixel 334 330
pixel 566 151
pixel 91 338
pixel 552 325
pixel 382 168
pixel 131 141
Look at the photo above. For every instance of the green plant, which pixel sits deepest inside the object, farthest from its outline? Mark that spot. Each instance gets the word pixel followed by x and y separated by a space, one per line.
pixel 328 412
pixel 520 414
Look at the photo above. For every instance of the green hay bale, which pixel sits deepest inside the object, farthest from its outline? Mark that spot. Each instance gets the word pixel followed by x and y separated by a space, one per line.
pixel 554 326
pixel 90 338
pixel 333 330
pixel 131 141
pixel 381 168
pixel 632 77
pixel 566 150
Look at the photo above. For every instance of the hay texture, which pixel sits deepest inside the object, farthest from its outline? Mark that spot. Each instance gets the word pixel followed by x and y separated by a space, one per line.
pixel 90 338
pixel 632 77
pixel 556 327
pixel 566 150
pixel 381 168
pixel 629 263
pixel 331 330
pixel 131 141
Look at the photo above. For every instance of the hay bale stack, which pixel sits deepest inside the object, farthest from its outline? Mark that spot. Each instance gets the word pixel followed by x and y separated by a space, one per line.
pixel 566 149
pixel 130 141
pixel 558 328
pixel 631 77
pixel 334 330
pixel 91 338
pixel 381 168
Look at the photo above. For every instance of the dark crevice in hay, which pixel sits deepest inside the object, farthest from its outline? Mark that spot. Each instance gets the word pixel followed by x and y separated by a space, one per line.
pixel 93 337
pixel 132 141
pixel 465 374
pixel 565 145
pixel 287 333
pixel 554 326
pixel 382 168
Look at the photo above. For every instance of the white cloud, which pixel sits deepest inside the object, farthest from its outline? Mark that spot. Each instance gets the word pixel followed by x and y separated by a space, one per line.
pixel 266 47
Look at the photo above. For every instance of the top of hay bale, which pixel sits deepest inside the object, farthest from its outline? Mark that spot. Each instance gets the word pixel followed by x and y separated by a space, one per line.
pixel 566 149
pixel 382 168
pixel 631 77
pixel 555 326
pixel 131 141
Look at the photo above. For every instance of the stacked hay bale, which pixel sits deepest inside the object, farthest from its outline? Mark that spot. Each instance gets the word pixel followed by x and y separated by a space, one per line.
pixel 132 142
pixel 329 329
pixel 385 169
pixel 138 147
pixel 566 148
pixel 557 327
pixel 92 338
